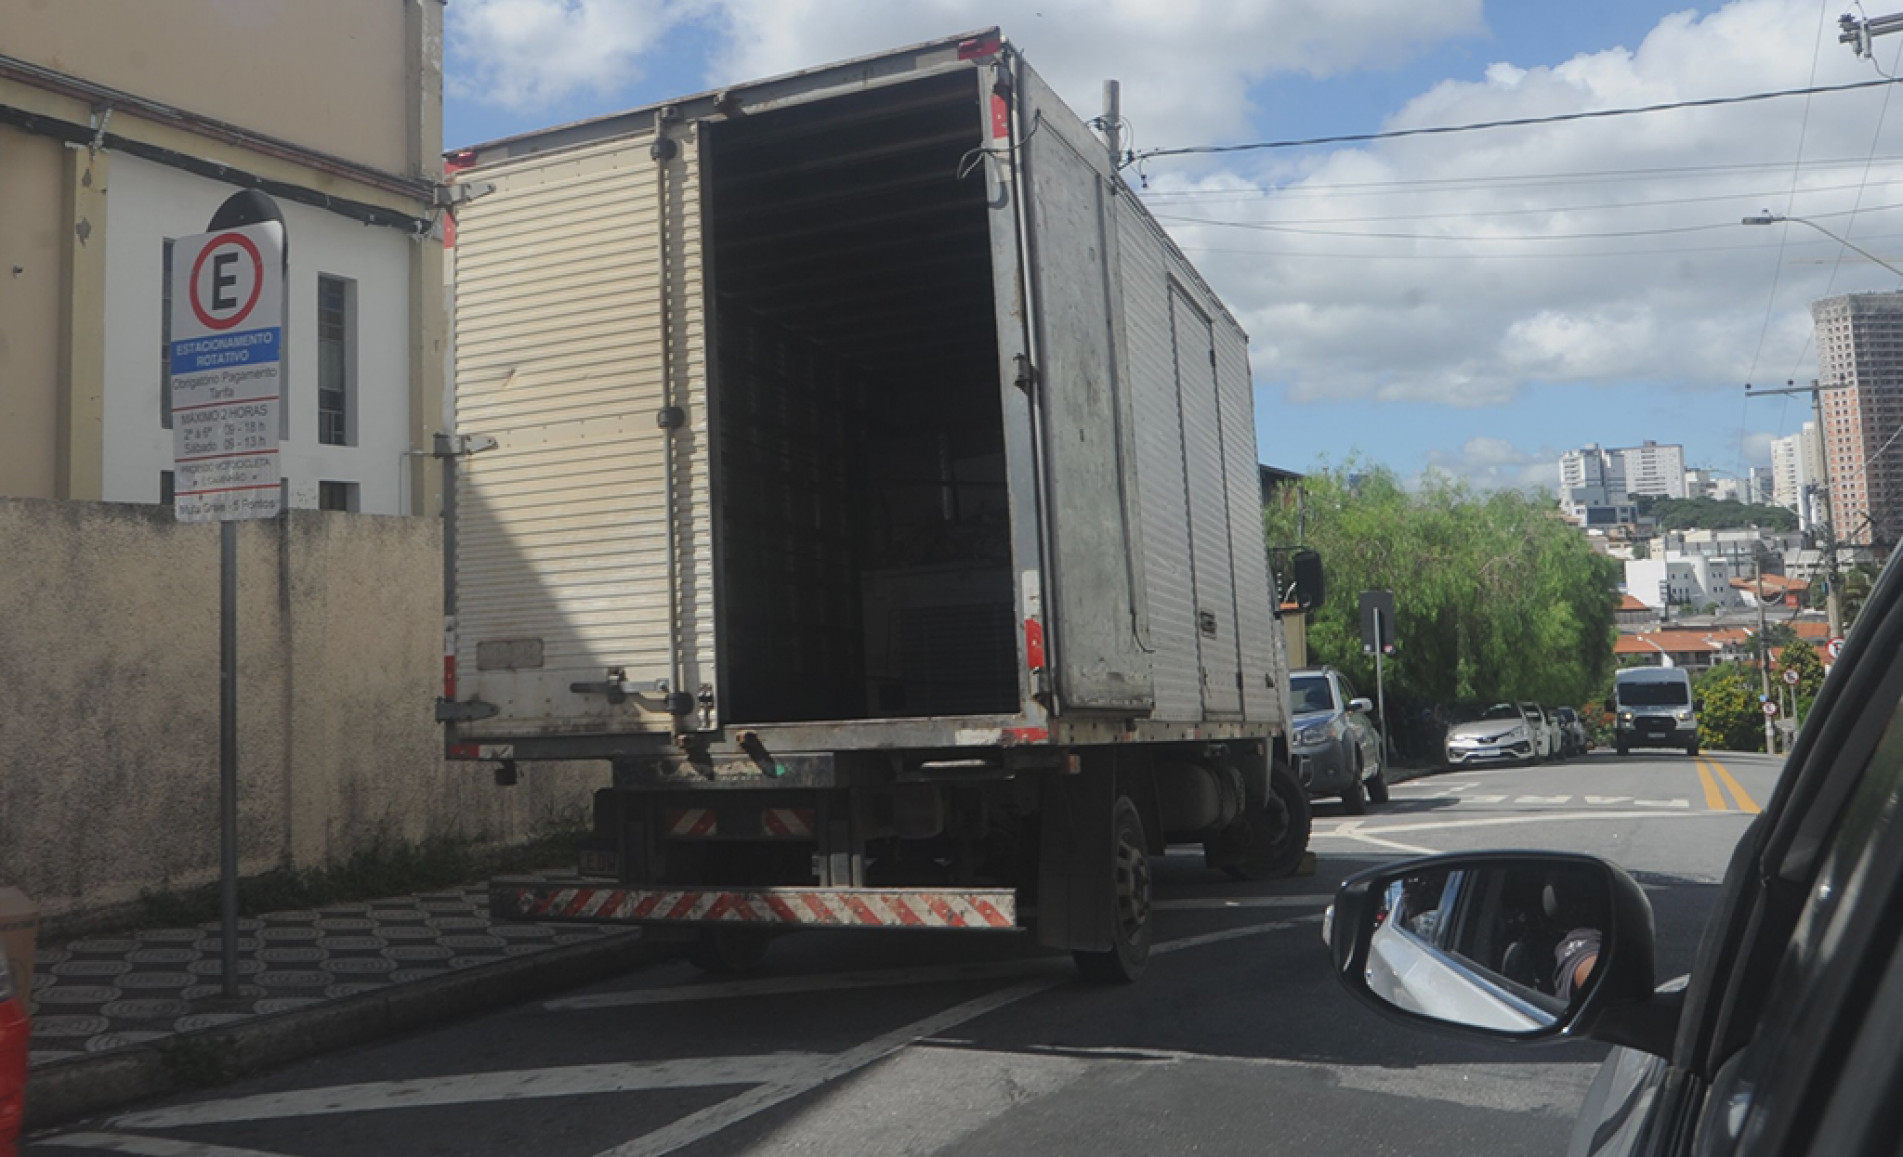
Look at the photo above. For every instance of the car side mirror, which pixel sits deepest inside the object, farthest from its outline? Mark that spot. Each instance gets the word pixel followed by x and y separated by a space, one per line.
pixel 1364 706
pixel 1609 706
pixel 1698 703
pixel 1503 945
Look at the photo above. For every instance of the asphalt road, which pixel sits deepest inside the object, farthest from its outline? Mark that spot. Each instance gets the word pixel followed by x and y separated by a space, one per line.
pixel 1238 1041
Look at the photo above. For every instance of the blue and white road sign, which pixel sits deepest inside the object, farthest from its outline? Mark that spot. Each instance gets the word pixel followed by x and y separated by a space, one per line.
pixel 227 372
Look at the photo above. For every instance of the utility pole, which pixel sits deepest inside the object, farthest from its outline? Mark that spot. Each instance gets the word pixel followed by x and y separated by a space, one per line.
pixel 1764 651
pixel 1113 122
pixel 1833 601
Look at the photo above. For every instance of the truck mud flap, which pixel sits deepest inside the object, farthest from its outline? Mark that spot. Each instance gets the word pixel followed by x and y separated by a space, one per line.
pixel 984 909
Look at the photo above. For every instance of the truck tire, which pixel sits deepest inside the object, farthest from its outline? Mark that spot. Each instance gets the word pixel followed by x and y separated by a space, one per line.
pixel 1269 840
pixel 1378 787
pixel 1691 748
pixel 1622 748
pixel 1129 953
pixel 723 951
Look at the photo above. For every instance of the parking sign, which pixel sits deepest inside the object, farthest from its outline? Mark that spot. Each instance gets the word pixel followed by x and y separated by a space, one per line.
pixel 227 366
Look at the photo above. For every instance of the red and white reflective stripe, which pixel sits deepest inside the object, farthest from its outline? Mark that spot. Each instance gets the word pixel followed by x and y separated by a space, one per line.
pixel 993 908
pixel 795 822
pixel 693 821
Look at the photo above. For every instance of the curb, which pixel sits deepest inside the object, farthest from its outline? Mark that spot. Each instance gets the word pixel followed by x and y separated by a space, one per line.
pixel 67 1090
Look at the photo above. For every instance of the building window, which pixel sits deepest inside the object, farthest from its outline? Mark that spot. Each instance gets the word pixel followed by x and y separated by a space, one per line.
pixel 165 339
pixel 336 361
pixel 336 496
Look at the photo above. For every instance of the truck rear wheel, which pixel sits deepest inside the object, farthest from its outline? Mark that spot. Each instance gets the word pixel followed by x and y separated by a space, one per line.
pixel 1268 840
pixel 1129 952
pixel 728 950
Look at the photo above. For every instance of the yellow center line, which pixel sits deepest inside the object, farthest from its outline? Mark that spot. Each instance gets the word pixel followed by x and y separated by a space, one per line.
pixel 1745 802
pixel 1714 799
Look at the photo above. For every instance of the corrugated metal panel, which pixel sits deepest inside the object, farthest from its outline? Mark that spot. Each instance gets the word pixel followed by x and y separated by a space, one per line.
pixel 562 532
pixel 1263 649
pixel 1206 469
pixel 1149 362
pixel 1099 661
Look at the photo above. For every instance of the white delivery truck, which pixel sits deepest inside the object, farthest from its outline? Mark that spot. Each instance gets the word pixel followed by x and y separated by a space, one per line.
pixel 1654 707
pixel 852 465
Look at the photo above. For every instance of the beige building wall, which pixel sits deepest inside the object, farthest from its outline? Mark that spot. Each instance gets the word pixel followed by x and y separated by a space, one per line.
pixel 245 62
pixel 109 701
pixel 31 281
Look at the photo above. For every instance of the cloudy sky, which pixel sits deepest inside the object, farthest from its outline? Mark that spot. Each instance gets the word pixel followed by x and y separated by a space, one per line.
pixel 1473 302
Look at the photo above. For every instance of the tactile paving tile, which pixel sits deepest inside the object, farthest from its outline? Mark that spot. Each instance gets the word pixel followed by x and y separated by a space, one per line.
pixel 108 992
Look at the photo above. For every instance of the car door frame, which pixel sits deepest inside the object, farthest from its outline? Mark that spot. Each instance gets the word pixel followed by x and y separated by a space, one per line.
pixel 1771 873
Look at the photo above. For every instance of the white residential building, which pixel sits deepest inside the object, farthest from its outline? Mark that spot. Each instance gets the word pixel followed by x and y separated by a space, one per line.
pixel 1653 469
pixel 1797 473
pixel 1681 579
pixel 1592 487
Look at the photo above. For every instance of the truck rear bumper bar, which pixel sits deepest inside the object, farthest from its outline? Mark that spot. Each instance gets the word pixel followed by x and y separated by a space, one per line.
pixel 983 909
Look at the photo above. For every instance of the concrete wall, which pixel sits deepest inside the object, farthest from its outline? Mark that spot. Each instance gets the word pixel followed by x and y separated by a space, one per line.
pixel 109 701
pixel 228 60
pixel 31 288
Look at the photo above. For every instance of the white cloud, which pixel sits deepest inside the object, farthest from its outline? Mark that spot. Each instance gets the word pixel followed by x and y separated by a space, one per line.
pixel 530 53
pixel 1185 65
pixel 1454 269
pixel 1459 268
pixel 1496 464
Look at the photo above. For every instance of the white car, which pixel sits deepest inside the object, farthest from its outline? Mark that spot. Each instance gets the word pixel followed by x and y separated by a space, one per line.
pixel 1500 735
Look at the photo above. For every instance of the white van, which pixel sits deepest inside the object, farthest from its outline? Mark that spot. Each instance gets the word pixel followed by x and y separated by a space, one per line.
pixel 1653 707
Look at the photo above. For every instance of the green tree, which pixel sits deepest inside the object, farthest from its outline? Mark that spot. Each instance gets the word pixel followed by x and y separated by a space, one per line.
pixel 1730 717
pixel 1495 597
pixel 1801 657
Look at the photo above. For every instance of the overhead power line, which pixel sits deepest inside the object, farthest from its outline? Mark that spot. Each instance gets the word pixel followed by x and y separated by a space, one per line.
pixel 1515 122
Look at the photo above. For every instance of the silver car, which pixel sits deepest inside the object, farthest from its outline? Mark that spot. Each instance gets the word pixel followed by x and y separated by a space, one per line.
pixel 1501 735
pixel 1337 751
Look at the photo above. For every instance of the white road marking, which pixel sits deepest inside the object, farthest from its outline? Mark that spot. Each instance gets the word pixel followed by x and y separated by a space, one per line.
pixel 705 1123
pixel 1684 803
pixel 471 1088
pixel 1483 799
pixel 148 1146
pixel 1366 834
pixel 824 982
pixel 1545 800
pixel 774 1079
pixel 1218 903
pixel 1607 800
pixel 1352 831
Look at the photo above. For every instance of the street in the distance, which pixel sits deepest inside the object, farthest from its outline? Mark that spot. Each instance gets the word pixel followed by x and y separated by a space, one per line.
pixel 873 1043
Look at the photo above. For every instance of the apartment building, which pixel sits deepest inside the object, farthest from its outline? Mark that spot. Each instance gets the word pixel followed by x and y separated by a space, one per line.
pixel 1860 365
pixel 1653 470
pixel 122 128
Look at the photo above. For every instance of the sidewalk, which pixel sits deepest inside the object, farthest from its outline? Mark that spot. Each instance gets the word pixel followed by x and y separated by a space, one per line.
pixel 120 1018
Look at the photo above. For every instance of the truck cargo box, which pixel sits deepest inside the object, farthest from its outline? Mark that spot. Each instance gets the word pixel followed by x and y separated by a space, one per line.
pixel 860 408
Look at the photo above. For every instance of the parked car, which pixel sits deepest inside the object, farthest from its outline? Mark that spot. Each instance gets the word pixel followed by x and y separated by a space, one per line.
pixel 14 1028
pixel 1545 738
pixel 1787 1036
pixel 1574 738
pixel 1500 735
pixel 1337 751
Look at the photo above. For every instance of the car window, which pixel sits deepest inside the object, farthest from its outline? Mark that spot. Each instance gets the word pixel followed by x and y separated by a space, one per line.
pixel 1502 711
pixel 1637 694
pixel 1309 693
pixel 1817 1000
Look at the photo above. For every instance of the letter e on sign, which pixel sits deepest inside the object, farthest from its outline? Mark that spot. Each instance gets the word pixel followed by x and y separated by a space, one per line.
pixel 226 281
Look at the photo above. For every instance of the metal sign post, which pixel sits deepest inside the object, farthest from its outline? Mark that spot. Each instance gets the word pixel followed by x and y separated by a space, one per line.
pixel 1377 635
pixel 227 371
